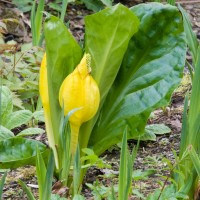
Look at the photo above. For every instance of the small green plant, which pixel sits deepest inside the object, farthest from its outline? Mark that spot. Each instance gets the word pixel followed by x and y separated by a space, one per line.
pixel 44 176
pixel 11 119
pixel 126 169
pixel 20 74
pixel 152 130
pixel 185 171
pixel 190 125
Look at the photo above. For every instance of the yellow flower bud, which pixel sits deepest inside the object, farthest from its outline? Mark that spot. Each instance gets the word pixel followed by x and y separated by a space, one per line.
pixel 79 90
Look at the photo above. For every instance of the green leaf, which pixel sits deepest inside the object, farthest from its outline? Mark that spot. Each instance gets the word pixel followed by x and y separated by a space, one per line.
pixel 16 152
pixel 30 131
pixel 76 171
pixel 94 5
pixel 107 35
pixel 107 2
pixel 2 182
pixel 123 170
pixel 151 70
pixel 78 197
pixel 27 190
pixel 195 159
pixel 57 197
pixel 184 130
pixel 194 111
pixel 5 133
pixel 18 118
pixel 88 151
pixel 41 173
pixel 38 20
pixel 152 130
pixel 39 115
pixel 6 104
pixel 46 194
pixel 142 175
pixel 192 40
pixel 24 6
pixel 169 192
pixel 148 135
pixel 158 129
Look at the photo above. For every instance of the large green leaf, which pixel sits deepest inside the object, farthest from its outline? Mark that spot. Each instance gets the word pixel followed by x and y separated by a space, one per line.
pixel 107 35
pixel 16 152
pixel 6 104
pixel 151 70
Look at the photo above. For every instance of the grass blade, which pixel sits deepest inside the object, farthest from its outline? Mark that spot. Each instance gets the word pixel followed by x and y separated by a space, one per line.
pixel 77 171
pixel 123 169
pixel 27 190
pixel 64 7
pixel 191 37
pixel 184 131
pixel 33 30
pixel 38 20
pixel 194 111
pixel 41 173
pixel 2 182
pixel 195 159
pixel 113 197
pixel 49 178
pixel 191 69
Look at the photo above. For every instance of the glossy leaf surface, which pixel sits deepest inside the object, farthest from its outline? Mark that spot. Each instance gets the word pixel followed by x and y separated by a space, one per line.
pixel 151 70
pixel 106 39
pixel 107 35
pixel 16 152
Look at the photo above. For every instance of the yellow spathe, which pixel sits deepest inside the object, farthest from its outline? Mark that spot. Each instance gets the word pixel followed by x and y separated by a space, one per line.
pixel 79 90
pixel 43 90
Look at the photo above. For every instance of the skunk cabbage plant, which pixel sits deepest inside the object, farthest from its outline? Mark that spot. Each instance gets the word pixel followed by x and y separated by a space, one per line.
pixel 137 60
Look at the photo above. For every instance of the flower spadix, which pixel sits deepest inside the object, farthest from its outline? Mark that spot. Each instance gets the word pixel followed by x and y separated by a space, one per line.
pixel 79 90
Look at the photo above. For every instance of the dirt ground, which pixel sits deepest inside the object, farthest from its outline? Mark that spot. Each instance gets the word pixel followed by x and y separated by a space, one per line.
pixel 150 154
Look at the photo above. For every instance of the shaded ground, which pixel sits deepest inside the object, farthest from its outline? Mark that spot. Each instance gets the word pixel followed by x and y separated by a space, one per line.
pixel 150 153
